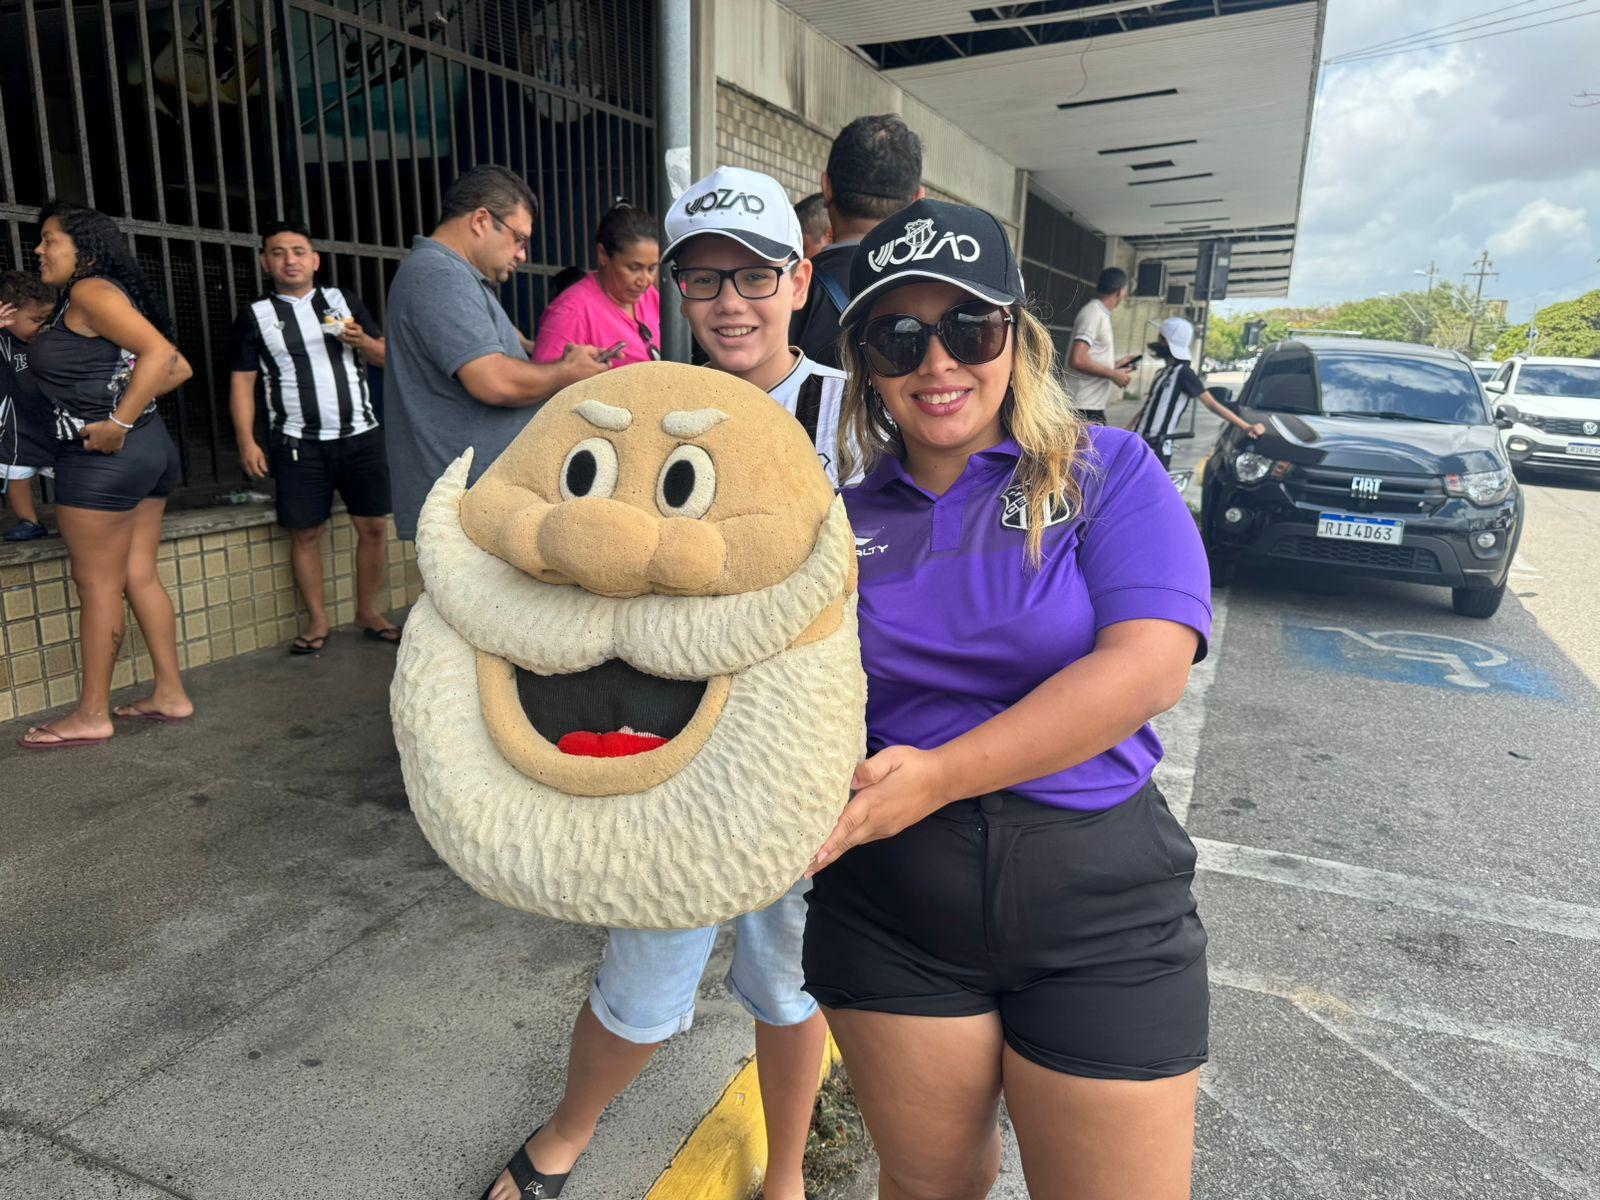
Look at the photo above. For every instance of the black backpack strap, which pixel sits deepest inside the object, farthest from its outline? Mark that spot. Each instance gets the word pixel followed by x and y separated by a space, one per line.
pixel 832 289
pixel 808 406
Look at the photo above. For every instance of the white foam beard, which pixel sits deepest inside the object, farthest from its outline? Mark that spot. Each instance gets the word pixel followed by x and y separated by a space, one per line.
pixel 725 835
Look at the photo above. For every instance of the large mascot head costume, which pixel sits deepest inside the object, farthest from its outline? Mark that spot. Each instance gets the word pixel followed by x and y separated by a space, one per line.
pixel 632 692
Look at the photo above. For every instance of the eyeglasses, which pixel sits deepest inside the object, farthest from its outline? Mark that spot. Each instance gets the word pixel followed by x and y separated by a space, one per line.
pixel 974 333
pixel 705 283
pixel 520 238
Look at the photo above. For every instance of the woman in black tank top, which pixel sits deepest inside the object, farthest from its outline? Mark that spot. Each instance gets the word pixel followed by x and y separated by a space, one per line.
pixel 101 362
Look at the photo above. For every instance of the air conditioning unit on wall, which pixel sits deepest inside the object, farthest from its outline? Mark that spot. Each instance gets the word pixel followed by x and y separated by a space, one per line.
pixel 1150 280
pixel 1178 295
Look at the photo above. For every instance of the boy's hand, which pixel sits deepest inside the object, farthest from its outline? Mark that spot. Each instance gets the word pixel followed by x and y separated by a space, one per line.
pixel 8 315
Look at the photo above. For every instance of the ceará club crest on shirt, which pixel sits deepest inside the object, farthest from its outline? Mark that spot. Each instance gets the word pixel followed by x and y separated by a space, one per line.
pixel 1014 509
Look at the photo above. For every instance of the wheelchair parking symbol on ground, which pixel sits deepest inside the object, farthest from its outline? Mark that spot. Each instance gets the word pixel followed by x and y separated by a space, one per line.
pixel 1411 656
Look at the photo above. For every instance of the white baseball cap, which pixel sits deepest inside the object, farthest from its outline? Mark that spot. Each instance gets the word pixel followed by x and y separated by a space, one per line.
pixel 1180 335
pixel 747 206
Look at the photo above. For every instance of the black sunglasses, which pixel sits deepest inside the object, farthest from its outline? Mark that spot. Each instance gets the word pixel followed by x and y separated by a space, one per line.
pixel 649 342
pixel 974 333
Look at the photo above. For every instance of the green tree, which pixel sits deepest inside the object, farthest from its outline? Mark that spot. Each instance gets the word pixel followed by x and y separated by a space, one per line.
pixel 1225 338
pixel 1570 328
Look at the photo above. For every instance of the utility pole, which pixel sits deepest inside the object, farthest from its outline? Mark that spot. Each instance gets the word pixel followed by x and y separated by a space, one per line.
pixel 1482 273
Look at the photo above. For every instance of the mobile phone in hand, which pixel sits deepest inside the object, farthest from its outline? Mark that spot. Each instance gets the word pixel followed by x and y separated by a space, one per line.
pixel 610 352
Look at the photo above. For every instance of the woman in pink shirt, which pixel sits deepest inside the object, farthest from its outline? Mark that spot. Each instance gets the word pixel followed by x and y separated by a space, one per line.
pixel 617 306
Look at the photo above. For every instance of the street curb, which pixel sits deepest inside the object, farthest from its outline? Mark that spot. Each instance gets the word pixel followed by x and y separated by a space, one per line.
pixel 725 1156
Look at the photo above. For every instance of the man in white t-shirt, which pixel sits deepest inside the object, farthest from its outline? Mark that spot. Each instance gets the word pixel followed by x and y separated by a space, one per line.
pixel 1093 376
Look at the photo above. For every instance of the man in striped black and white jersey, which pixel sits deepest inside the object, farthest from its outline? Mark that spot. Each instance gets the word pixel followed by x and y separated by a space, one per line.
pixel 312 344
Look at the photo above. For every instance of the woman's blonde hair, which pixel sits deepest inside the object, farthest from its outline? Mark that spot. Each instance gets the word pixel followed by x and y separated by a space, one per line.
pixel 1036 413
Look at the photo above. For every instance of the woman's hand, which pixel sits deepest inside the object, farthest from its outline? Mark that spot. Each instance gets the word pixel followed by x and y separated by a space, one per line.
pixel 894 789
pixel 104 437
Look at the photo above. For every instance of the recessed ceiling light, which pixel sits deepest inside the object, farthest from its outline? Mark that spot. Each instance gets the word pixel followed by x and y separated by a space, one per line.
pixel 1171 179
pixel 1116 99
pixel 1149 146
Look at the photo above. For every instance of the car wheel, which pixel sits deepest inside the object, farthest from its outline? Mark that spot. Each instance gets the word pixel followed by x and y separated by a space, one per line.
pixel 1477 602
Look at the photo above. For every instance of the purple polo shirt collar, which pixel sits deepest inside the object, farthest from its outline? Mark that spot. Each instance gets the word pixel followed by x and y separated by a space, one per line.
pixel 890 469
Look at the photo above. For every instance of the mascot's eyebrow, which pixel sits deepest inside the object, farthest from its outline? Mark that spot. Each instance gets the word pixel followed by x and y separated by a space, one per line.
pixel 604 416
pixel 685 424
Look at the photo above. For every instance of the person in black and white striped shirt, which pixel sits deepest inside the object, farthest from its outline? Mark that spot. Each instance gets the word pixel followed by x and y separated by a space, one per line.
pixel 313 345
pixel 1176 385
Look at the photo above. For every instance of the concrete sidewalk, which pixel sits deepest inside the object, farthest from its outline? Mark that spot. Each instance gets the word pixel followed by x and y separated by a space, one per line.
pixel 231 967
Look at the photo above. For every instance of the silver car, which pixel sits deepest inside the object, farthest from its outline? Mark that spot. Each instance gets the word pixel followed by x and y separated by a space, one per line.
pixel 1552 411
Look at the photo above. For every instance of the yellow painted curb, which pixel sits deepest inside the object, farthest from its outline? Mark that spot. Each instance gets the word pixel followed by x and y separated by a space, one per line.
pixel 726 1155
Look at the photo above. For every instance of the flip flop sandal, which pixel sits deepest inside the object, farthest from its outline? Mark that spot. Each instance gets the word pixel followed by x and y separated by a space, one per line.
pixel 390 635
pixel 305 645
pixel 64 743
pixel 533 1184
pixel 129 713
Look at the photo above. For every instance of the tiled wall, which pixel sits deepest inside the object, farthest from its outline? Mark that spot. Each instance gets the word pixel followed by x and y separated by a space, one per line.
pixel 760 137
pixel 233 591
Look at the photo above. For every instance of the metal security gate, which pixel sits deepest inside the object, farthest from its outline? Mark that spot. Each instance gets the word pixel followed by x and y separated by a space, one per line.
pixel 197 122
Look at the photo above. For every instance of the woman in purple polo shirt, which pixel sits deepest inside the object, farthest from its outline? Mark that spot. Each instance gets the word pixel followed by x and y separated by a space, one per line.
pixel 1004 907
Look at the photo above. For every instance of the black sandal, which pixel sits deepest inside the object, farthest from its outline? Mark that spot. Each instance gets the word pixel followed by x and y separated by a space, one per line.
pixel 533 1184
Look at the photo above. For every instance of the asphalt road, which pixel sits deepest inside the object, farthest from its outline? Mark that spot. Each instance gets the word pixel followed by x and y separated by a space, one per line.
pixel 1396 807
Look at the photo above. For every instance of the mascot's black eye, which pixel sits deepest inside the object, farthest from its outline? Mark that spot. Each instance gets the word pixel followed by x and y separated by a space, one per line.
pixel 688 483
pixel 677 485
pixel 581 470
pixel 590 469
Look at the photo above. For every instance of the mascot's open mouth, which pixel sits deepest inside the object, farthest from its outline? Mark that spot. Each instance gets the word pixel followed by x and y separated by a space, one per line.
pixel 610 711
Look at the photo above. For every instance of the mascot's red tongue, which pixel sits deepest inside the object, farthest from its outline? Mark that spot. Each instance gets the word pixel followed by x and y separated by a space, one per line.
pixel 608 745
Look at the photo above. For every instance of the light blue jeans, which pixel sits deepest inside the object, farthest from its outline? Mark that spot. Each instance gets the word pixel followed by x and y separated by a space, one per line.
pixel 645 989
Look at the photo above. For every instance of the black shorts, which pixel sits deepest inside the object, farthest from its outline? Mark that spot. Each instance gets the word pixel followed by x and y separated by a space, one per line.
pixel 1078 928
pixel 145 468
pixel 309 472
pixel 1092 416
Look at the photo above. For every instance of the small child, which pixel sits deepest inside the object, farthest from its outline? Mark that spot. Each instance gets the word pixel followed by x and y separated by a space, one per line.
pixel 27 442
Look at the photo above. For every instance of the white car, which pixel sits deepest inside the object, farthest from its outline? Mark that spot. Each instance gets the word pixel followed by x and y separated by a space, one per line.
pixel 1550 411
pixel 1485 368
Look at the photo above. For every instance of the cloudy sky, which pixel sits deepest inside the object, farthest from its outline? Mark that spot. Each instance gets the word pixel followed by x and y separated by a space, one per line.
pixel 1439 154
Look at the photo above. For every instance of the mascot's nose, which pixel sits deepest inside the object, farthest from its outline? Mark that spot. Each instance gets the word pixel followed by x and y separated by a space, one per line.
pixel 614 549
pixel 604 546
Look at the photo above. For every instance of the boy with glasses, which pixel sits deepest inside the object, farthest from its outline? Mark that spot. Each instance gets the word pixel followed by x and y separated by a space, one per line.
pixel 734 250
pixel 733 245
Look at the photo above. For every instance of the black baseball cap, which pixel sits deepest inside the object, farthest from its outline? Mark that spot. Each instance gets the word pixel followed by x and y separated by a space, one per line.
pixel 936 240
